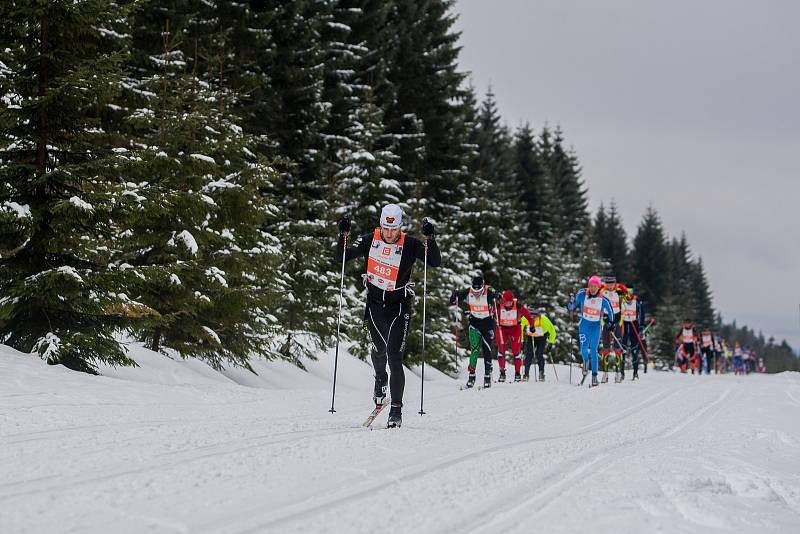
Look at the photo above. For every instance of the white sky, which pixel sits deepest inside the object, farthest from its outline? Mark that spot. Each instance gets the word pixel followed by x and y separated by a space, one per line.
pixel 691 105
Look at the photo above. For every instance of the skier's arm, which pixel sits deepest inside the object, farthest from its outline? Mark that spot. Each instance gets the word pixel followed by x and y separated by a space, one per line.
pixel 525 313
pixel 577 304
pixel 358 250
pixel 458 296
pixel 609 310
pixel 548 327
pixel 434 255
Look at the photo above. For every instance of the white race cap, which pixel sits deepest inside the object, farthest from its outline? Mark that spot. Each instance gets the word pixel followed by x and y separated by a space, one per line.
pixel 391 216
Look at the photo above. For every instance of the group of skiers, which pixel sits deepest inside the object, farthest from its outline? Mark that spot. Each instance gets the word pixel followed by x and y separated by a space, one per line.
pixel 706 352
pixel 502 320
pixel 499 324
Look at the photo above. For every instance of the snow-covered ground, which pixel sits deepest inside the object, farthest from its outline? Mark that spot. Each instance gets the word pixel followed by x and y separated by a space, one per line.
pixel 177 447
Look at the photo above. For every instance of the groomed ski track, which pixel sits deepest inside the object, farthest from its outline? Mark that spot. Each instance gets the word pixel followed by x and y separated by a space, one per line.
pixel 176 447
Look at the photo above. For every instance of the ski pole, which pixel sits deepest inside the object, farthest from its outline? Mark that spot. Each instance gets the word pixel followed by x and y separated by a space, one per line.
pixel 619 344
pixel 499 331
pixel 424 299
pixel 635 331
pixel 339 322
pixel 553 364
pixel 455 336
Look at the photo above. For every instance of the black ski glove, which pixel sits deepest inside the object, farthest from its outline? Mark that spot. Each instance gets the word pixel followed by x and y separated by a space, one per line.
pixel 428 230
pixel 344 224
pixel 453 299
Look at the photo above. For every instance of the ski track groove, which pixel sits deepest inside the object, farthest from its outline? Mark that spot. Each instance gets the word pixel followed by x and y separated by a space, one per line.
pixel 191 452
pixel 794 399
pixel 500 520
pixel 97 477
pixel 307 506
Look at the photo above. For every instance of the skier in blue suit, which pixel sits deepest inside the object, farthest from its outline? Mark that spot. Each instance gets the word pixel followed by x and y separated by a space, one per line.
pixel 590 305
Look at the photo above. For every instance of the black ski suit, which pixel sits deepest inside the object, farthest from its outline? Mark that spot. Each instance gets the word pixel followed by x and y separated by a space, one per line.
pixel 388 313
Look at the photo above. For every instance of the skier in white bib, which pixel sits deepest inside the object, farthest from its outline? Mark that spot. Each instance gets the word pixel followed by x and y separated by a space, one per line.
pixel 390 255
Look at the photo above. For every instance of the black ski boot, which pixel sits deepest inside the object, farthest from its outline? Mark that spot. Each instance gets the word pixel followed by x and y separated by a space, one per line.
pixel 635 374
pixel 517 377
pixel 395 417
pixel 541 376
pixel 526 378
pixel 379 396
pixel 487 380
pixel 471 380
pixel 502 376
pixel 594 381
pixel 622 375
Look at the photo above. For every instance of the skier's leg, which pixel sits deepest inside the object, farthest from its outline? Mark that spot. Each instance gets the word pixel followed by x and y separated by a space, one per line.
pixel 618 350
pixel 487 337
pixel 583 338
pixel 540 342
pixel 378 329
pixel 396 347
pixel 501 348
pixel 515 350
pixel 593 337
pixel 605 338
pixel 527 348
pixel 474 348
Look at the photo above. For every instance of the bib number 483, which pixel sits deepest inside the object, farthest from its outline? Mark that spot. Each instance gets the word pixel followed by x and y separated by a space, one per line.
pixel 383 271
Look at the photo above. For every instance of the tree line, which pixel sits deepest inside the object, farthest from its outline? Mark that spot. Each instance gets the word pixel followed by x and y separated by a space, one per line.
pixel 171 172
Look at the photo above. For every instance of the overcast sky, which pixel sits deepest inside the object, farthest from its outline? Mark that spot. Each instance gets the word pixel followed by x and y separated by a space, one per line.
pixel 692 106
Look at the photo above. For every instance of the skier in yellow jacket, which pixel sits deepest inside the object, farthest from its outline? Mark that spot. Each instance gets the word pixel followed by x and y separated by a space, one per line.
pixel 537 336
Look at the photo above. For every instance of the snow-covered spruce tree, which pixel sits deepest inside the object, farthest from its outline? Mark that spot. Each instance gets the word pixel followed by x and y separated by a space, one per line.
pixel 558 279
pixel 671 313
pixel 502 244
pixel 293 114
pixel 195 188
pixel 427 119
pixel 59 67
pixel 534 194
pixel 612 242
pixel 553 270
pixel 564 172
pixel 704 310
pixel 650 260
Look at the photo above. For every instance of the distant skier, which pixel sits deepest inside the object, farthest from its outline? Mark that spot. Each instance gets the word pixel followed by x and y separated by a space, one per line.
pixel 389 256
pixel 632 317
pixel 616 294
pixel 537 336
pixel 707 350
pixel 509 314
pixel 747 360
pixel 590 304
pixel 687 342
pixel 482 302
pixel 738 353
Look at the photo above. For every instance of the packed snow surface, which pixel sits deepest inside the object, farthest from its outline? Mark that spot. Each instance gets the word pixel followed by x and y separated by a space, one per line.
pixel 175 446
